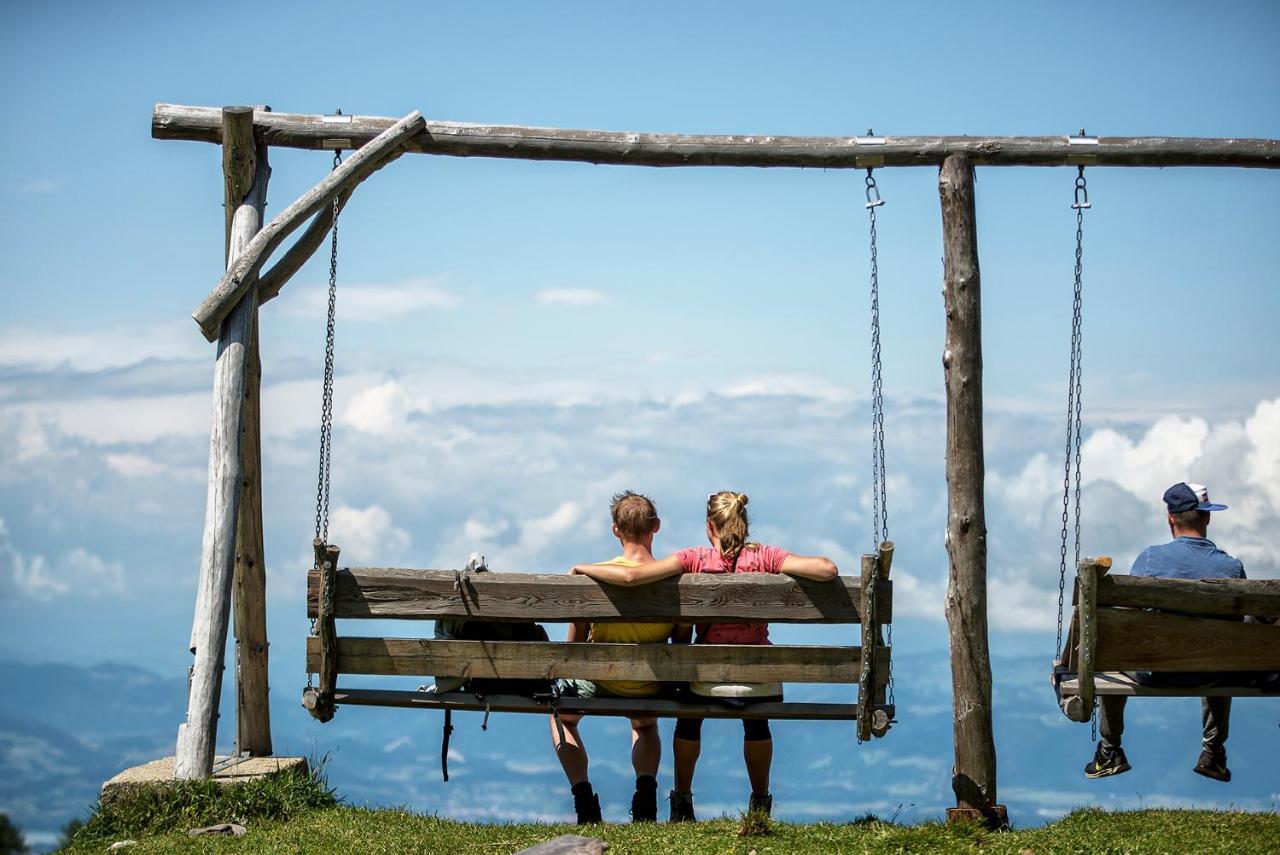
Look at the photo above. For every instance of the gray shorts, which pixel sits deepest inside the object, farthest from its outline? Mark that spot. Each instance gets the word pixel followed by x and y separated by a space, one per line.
pixel 583 689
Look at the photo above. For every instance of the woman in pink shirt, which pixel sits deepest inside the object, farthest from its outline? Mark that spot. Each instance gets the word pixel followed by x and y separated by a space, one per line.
pixel 730 552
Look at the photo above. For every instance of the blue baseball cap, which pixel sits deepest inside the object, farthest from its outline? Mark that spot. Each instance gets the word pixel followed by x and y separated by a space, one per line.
pixel 1189 497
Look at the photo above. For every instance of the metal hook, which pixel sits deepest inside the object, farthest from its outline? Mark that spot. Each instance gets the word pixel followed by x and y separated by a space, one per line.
pixel 873 192
pixel 1082 190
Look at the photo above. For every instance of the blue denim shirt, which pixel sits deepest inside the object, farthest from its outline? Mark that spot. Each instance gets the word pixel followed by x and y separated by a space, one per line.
pixel 1187 558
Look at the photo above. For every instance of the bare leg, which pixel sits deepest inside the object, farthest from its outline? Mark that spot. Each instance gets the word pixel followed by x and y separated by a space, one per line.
pixel 759 756
pixel 686 754
pixel 570 751
pixel 646 746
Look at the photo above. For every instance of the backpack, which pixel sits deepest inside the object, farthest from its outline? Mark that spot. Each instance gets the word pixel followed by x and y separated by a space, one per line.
pixel 490 630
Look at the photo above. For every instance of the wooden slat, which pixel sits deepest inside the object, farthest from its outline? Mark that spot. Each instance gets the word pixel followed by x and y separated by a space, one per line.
pixel 1119 683
pixel 1238 597
pixel 462 139
pixel 1133 640
pixel 777 711
pixel 534 659
pixel 377 592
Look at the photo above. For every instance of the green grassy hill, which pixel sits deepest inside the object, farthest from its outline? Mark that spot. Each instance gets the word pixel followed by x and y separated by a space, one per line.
pixel 300 814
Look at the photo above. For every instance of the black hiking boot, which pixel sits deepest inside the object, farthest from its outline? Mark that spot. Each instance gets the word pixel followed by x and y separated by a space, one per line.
pixel 760 804
pixel 1213 766
pixel 586 804
pixel 1107 762
pixel 644 804
pixel 681 807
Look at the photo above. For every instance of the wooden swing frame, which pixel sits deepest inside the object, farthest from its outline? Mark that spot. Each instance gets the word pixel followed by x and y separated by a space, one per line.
pixel 232 547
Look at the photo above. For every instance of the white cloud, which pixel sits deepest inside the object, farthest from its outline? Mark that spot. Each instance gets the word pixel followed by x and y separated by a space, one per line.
pixel 571 297
pixel 367 535
pixel 381 409
pixel 38 187
pixel 103 348
pixel 77 573
pixel 372 302
pixel 134 465
pixel 801 385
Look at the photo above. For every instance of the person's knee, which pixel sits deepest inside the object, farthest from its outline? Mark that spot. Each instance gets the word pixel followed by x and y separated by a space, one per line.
pixel 756 730
pixel 644 726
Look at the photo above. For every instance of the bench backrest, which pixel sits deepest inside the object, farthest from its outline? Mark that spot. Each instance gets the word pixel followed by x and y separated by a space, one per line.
pixel 377 592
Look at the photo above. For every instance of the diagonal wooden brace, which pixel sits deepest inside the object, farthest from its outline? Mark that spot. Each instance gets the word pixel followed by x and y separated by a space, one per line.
pixel 380 151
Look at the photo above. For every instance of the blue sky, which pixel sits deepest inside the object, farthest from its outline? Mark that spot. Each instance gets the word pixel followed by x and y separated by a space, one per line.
pixel 519 340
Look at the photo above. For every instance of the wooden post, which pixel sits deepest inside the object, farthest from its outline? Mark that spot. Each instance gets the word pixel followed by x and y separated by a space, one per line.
pixel 241 154
pixel 196 738
pixel 249 599
pixel 973 777
pixel 880 719
pixel 319 702
pixel 868 697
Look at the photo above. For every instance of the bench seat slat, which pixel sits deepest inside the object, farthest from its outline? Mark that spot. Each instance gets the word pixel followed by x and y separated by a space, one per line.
pixel 381 592
pixel 533 660
pixel 600 706
pixel 1118 683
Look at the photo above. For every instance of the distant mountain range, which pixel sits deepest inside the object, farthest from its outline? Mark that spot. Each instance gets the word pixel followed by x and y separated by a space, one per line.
pixel 65 729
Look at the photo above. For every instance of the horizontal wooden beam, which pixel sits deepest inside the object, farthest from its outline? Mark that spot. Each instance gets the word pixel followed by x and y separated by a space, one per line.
pixel 1133 640
pixel 1237 597
pixel 460 139
pixel 1119 683
pixel 421 657
pixel 385 592
pixel 778 711
pixel 240 276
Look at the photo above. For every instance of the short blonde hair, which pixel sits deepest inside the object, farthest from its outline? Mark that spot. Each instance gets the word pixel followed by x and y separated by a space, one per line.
pixel 635 515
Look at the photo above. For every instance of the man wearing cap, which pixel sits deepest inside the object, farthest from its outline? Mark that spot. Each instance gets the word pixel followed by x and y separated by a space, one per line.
pixel 1190 555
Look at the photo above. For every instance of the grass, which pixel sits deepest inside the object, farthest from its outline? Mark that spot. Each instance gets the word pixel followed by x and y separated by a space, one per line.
pixel 299 814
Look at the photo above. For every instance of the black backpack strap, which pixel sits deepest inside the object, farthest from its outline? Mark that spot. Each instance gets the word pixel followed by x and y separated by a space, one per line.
pixel 444 743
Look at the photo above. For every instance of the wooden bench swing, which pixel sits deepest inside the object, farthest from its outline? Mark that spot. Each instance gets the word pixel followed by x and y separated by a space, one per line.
pixel 369 592
pixel 1125 624
pixel 386 593
pixel 1122 626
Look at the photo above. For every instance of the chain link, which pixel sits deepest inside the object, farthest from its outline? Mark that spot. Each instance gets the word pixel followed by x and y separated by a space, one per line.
pixel 879 490
pixel 326 405
pixel 1074 394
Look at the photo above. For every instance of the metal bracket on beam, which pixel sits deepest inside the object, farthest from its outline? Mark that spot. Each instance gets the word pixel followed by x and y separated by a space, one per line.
pixel 1082 158
pixel 336 144
pixel 871 162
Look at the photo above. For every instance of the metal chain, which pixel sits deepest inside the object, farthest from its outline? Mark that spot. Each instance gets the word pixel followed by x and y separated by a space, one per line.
pixel 326 406
pixel 1074 390
pixel 879 491
pixel 879 499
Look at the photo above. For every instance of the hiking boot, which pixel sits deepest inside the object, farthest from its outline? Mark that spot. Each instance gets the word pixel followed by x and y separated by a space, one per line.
pixel 762 804
pixel 1106 763
pixel 681 807
pixel 586 804
pixel 644 804
pixel 1213 765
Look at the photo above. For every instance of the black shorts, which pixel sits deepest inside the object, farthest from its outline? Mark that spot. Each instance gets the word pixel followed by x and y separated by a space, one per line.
pixel 753 729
